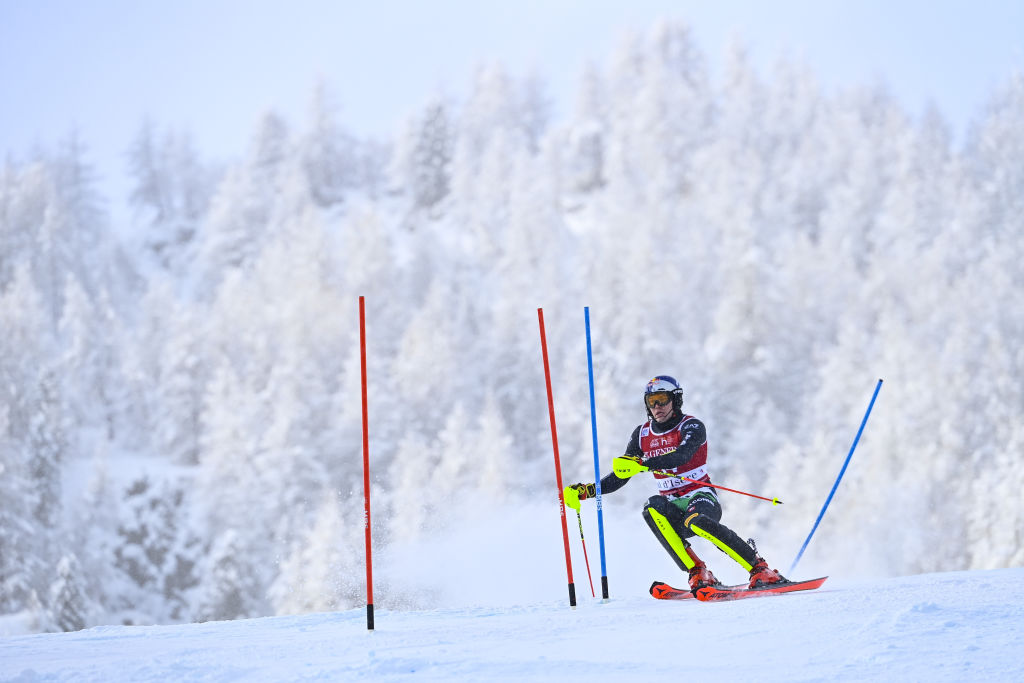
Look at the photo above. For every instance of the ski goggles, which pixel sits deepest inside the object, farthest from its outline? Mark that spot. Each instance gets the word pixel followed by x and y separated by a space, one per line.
pixel 658 399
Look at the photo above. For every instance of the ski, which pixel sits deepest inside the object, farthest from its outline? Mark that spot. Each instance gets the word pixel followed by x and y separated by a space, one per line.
pixel 663 591
pixel 723 593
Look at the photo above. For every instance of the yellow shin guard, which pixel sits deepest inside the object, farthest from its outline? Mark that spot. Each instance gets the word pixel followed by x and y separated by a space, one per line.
pixel 725 548
pixel 677 544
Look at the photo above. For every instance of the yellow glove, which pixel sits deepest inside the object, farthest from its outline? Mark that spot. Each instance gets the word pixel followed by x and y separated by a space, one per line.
pixel 625 466
pixel 574 493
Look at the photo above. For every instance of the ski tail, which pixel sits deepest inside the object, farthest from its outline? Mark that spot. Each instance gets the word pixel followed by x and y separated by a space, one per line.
pixel 662 591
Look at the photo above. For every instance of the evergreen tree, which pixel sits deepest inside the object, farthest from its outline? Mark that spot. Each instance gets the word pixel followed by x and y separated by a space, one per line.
pixel 69 607
pixel 156 550
pixel 89 364
pixel 228 589
pixel 79 236
pixel 236 226
pixel 177 375
pixel 94 542
pixel 453 475
pixel 428 358
pixel 993 157
pixel 328 153
pixel 17 557
pixel 170 193
pixel 322 571
pixel 409 498
pixel 30 445
pixel 47 448
pixel 290 472
pixel 491 450
pixel 491 122
pixel 227 447
pixel 421 163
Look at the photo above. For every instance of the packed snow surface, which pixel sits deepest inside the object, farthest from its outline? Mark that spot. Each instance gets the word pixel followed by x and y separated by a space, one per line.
pixel 937 627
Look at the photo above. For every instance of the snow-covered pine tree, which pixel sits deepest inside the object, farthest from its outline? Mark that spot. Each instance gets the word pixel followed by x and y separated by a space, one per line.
pixel 18 559
pixel 421 163
pixel 156 550
pixel 329 154
pixel 408 501
pixel 30 444
pixel 70 609
pixel 89 365
pixel 94 541
pixel 236 225
pixel 324 570
pixel 170 193
pixel 492 450
pixel 228 587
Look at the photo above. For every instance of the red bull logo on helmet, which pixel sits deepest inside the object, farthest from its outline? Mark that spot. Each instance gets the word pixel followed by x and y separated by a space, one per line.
pixel 662 383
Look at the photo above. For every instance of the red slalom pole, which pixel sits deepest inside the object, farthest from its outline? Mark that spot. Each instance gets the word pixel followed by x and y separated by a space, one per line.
pixel 366 467
pixel 558 465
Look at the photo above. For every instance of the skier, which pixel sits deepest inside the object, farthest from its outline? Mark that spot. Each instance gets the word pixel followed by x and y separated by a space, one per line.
pixel 675 443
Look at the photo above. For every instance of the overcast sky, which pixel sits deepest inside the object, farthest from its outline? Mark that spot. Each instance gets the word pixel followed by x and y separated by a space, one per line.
pixel 214 66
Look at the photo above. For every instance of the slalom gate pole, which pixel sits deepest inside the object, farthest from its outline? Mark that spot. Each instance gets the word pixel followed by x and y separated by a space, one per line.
pixel 558 465
pixel 838 479
pixel 579 519
pixel 366 467
pixel 597 463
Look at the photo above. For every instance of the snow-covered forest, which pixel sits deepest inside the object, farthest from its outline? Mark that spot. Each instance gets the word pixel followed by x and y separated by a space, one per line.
pixel 180 419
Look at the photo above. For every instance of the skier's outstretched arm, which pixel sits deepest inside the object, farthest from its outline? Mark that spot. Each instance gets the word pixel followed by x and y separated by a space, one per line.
pixel 609 482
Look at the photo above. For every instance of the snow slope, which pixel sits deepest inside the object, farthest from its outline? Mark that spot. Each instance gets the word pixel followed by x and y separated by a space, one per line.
pixel 936 627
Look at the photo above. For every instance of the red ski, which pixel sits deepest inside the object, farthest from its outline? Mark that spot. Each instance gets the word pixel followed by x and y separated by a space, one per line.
pixel 722 593
pixel 663 591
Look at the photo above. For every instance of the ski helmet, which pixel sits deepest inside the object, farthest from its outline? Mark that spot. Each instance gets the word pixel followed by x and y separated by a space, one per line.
pixel 667 385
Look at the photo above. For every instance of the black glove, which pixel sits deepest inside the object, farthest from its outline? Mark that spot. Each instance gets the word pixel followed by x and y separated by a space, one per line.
pixel 585 491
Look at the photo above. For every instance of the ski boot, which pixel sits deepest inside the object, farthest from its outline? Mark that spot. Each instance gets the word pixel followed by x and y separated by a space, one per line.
pixel 701 576
pixel 761 575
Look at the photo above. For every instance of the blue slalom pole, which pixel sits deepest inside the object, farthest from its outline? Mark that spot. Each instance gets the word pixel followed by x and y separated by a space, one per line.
pixel 597 464
pixel 838 479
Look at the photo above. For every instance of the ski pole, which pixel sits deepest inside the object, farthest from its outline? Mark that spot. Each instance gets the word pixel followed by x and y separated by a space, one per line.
pixel 838 479
pixel 626 467
pixel 585 558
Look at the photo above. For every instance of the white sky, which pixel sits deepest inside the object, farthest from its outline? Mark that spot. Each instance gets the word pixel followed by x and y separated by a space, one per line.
pixel 213 66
